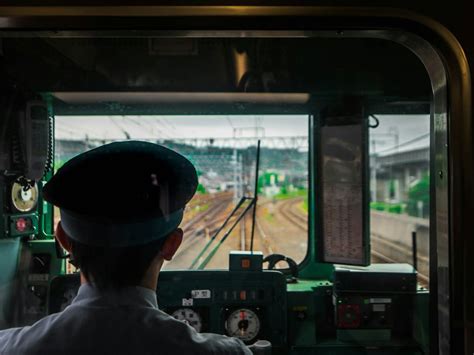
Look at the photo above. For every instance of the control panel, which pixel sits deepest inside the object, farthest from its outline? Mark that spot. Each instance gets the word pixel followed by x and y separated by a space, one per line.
pixel 378 309
pixel 374 302
pixel 18 203
pixel 246 305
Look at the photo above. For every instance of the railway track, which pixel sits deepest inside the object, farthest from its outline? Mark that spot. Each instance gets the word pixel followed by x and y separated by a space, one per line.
pixel 403 255
pixel 280 230
pixel 288 210
pixel 196 227
pixel 205 225
pixel 207 222
pixel 215 204
pixel 261 240
pixel 265 241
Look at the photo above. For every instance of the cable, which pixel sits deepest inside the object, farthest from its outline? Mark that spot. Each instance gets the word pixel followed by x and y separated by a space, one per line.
pixel 126 134
pixel 377 122
pixel 50 155
pixel 230 122
pixel 416 139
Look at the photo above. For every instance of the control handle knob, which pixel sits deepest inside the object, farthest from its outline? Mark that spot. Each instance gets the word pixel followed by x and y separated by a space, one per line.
pixel 261 347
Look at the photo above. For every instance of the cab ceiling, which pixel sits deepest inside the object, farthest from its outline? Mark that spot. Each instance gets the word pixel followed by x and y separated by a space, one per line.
pixel 379 70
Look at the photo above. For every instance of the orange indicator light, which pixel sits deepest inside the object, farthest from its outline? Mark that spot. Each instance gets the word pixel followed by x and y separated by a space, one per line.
pixel 245 263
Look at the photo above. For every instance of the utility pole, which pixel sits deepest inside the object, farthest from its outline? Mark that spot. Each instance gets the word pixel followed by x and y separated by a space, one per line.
pixel 236 174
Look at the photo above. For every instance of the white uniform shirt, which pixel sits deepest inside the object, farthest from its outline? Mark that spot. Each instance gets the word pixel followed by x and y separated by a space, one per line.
pixel 119 322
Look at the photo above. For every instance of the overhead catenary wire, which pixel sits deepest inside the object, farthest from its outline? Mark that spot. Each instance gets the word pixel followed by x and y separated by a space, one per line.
pixel 230 121
pixel 125 132
pixel 416 139
pixel 146 128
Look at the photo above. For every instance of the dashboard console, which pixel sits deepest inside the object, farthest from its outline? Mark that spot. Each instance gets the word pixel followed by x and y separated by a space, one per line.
pixel 378 309
pixel 246 305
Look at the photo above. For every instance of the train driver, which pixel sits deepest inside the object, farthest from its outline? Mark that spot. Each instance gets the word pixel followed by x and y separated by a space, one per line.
pixel 121 205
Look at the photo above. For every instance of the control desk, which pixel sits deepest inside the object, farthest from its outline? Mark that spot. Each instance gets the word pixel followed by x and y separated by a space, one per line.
pixel 247 305
pixel 375 310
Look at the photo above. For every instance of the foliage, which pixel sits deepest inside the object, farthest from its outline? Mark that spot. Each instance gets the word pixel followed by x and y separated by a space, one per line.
pixel 266 179
pixel 396 208
pixel 378 206
pixel 202 208
pixel 419 194
pixel 201 189
pixel 304 205
pixel 286 194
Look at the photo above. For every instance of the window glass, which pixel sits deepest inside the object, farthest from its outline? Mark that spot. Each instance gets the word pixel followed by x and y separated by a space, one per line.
pixel 400 190
pixel 223 150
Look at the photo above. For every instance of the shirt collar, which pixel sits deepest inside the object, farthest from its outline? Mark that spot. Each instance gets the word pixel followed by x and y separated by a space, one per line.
pixel 127 296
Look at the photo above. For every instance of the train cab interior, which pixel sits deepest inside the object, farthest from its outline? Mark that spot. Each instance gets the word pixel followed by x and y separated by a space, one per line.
pixel 317 154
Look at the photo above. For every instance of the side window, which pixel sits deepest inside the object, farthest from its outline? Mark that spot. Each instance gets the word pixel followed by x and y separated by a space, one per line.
pixel 400 190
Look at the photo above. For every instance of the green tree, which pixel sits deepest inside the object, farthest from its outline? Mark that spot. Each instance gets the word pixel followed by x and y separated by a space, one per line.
pixel 419 193
pixel 201 189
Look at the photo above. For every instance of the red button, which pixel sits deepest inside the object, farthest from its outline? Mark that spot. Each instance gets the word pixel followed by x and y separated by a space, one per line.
pixel 21 224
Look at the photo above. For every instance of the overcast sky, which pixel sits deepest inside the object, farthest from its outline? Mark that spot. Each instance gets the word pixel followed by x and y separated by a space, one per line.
pixel 160 127
pixel 399 133
pixel 394 133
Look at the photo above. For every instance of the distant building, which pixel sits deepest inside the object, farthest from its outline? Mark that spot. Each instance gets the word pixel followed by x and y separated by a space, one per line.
pixel 393 174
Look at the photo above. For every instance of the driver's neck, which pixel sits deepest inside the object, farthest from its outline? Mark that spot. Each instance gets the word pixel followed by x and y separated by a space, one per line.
pixel 149 280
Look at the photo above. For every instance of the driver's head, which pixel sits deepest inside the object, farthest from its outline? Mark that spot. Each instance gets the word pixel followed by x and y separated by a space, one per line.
pixel 121 205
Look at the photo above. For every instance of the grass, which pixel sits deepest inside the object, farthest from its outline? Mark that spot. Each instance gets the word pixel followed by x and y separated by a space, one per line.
pixel 201 208
pixel 291 194
pixel 303 206
pixel 269 217
pixel 396 208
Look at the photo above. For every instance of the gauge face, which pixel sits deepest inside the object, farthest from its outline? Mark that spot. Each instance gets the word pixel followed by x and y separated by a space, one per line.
pixel 188 316
pixel 24 200
pixel 243 324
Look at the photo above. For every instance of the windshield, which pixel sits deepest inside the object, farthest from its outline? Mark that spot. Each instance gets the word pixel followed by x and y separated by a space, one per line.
pixel 223 150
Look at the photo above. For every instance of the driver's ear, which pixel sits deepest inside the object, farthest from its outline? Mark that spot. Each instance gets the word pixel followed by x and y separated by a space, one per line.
pixel 62 238
pixel 171 244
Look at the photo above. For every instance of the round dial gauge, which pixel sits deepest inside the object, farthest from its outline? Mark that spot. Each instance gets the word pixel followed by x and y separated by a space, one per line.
pixel 243 324
pixel 24 200
pixel 189 317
